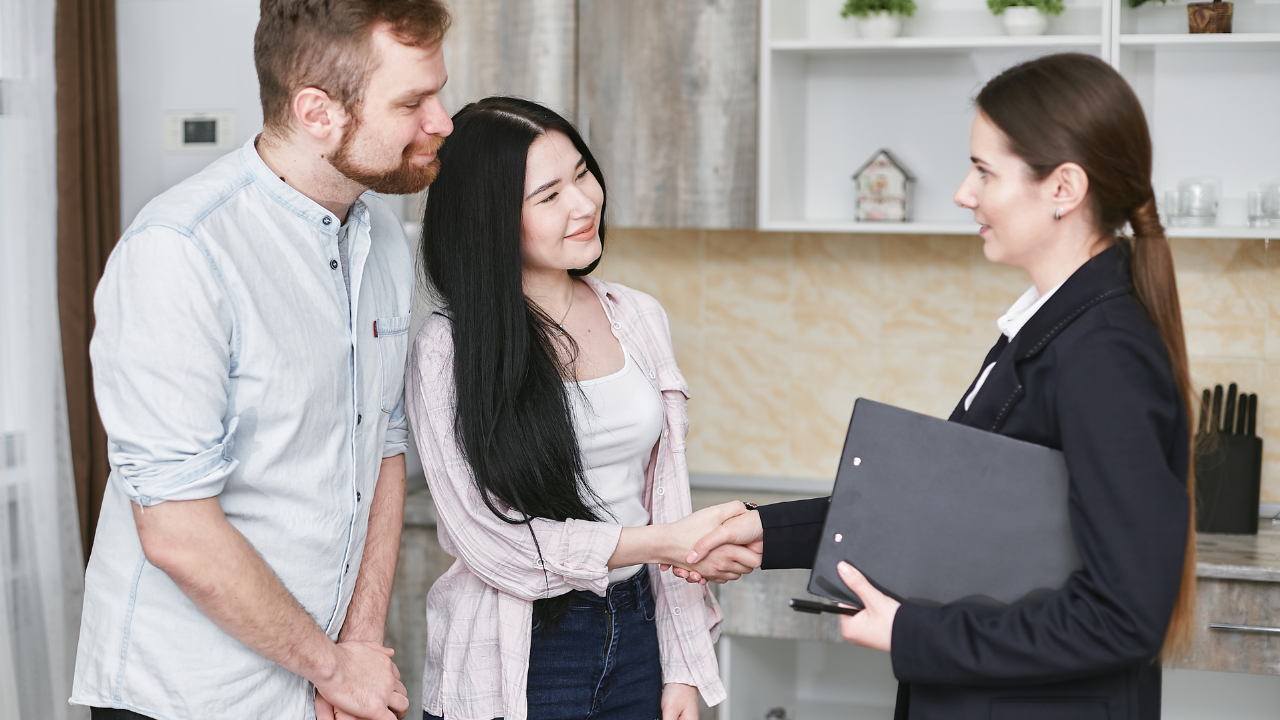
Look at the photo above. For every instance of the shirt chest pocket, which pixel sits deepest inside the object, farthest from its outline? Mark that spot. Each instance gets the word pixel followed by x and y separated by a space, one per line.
pixel 393 343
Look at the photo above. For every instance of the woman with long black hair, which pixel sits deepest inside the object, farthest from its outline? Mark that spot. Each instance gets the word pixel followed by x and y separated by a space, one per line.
pixel 551 419
pixel 1092 361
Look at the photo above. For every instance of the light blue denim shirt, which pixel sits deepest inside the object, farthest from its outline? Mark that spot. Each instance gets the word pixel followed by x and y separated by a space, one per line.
pixel 226 363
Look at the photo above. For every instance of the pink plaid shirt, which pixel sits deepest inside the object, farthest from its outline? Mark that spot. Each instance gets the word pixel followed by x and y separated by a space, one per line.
pixel 480 612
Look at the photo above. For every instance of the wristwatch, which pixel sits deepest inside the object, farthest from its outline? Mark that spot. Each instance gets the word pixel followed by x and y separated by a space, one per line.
pixel 751 506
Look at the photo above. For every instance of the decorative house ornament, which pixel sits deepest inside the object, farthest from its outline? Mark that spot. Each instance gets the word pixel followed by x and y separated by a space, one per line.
pixel 884 189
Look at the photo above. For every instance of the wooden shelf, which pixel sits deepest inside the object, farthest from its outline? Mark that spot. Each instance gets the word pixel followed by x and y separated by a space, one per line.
pixel 872 228
pixel 1200 40
pixel 1224 232
pixel 852 45
pixel 964 228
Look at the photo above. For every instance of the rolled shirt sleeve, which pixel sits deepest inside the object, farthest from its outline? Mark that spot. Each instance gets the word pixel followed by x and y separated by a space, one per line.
pixel 397 440
pixel 163 356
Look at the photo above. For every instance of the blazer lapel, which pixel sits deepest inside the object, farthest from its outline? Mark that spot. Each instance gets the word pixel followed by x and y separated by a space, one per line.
pixel 1000 391
pixel 992 355
pixel 1103 277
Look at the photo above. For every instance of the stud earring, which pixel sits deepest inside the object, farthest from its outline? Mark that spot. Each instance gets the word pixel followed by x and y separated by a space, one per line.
pixel 1057 214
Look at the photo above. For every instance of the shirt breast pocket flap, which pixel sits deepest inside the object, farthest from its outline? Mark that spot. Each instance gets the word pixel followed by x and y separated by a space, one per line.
pixel 393 344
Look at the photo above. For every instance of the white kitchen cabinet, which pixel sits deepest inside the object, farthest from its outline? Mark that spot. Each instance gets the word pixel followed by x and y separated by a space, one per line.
pixel 829 100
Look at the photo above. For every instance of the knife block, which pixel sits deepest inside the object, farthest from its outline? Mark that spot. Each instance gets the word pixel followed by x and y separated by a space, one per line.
pixel 1228 483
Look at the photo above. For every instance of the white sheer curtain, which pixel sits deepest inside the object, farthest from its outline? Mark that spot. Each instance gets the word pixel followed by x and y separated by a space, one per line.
pixel 41 571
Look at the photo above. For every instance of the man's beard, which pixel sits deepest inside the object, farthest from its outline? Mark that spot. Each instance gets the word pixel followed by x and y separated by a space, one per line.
pixel 405 179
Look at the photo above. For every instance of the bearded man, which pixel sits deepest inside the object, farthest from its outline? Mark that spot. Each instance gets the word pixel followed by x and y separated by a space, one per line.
pixel 248 360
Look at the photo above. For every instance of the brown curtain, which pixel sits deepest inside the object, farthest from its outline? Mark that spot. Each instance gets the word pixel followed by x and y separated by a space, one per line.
pixel 88 221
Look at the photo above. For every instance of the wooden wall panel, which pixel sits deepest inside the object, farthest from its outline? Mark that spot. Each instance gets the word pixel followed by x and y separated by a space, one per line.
pixel 667 96
pixel 512 47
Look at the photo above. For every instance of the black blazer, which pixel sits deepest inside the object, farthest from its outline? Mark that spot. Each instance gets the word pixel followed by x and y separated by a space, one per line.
pixel 1088 375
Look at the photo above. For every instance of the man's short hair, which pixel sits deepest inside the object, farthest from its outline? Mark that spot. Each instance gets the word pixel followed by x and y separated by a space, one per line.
pixel 327 44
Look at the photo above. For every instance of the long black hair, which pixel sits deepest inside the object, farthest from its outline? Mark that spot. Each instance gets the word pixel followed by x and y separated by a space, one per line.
pixel 514 420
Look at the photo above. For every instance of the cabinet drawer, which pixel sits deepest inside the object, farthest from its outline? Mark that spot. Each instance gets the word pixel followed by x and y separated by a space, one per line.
pixel 1253 605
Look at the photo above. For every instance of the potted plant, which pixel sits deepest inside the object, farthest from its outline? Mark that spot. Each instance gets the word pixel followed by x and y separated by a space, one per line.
pixel 1202 17
pixel 1026 17
pixel 879 18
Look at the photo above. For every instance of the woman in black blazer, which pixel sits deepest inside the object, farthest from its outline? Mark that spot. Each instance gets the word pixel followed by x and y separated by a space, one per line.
pixel 1061 162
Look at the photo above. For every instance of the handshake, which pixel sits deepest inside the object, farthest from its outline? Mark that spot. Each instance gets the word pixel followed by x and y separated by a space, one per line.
pixel 716 544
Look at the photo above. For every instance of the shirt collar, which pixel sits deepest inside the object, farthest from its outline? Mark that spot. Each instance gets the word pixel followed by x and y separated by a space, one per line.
pixel 294 201
pixel 1023 310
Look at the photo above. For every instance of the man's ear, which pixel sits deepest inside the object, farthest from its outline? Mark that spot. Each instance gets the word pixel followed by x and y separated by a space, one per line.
pixel 1067 186
pixel 318 115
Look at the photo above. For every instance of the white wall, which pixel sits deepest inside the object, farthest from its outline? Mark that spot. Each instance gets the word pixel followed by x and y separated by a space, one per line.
pixel 179 55
pixel 183 55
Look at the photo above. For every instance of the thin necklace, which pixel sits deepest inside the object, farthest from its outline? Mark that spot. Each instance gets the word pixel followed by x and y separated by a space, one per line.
pixel 566 311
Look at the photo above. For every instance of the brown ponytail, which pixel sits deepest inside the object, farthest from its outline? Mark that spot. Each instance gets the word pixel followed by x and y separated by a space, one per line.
pixel 1076 108
pixel 1152 268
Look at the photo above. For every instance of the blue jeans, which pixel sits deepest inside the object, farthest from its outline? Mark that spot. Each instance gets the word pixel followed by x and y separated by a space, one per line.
pixel 602 662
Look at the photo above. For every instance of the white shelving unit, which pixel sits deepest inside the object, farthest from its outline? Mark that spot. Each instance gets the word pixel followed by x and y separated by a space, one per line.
pixel 829 99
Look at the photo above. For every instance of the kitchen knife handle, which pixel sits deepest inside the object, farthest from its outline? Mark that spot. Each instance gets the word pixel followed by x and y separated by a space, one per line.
pixel 1215 420
pixel 1253 414
pixel 1205 399
pixel 1229 412
pixel 1242 415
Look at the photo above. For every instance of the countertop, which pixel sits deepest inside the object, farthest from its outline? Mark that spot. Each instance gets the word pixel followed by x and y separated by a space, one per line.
pixel 1240 557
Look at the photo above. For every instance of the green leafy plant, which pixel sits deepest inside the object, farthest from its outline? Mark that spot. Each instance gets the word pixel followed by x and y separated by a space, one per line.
pixel 863 8
pixel 1048 7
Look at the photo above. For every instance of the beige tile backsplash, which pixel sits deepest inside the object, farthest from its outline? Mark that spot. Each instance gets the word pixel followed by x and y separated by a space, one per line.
pixel 778 333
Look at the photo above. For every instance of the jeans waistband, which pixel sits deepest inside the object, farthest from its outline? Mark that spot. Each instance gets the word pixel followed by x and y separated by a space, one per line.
pixel 624 593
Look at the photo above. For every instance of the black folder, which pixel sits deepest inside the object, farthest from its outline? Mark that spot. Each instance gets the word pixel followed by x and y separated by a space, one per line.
pixel 935 512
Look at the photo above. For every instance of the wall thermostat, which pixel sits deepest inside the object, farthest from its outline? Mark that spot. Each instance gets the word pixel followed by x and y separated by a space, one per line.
pixel 188 131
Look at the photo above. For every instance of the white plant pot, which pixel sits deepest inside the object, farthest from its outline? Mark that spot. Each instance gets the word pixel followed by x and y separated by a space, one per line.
pixel 880 25
pixel 1024 21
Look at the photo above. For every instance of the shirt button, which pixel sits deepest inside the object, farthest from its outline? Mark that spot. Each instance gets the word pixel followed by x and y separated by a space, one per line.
pixel 327 220
pixel 617 326
pixel 358 419
pixel 664 432
pixel 333 264
pixel 357 496
pixel 662 491
pixel 348 567
pixel 653 376
pixel 675 611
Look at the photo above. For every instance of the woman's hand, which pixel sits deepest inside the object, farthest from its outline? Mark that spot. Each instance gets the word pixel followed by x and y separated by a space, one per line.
pixel 720 556
pixel 679 701
pixel 873 627
pixel 691 529
pixel 669 544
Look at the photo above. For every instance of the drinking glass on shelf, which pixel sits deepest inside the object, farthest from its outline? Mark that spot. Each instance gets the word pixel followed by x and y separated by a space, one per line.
pixel 1168 209
pixel 1270 202
pixel 1198 201
pixel 1257 217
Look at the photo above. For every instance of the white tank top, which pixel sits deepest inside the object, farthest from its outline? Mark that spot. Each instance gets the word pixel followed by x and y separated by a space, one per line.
pixel 618 422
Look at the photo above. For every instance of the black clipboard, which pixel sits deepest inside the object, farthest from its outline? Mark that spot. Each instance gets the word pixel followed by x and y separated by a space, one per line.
pixel 935 512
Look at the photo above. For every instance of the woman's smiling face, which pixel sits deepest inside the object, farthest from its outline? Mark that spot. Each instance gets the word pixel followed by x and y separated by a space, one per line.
pixel 560 219
pixel 1014 210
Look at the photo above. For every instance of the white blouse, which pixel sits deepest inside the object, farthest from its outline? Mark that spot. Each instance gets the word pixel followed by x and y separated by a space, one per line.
pixel 1019 314
pixel 619 419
